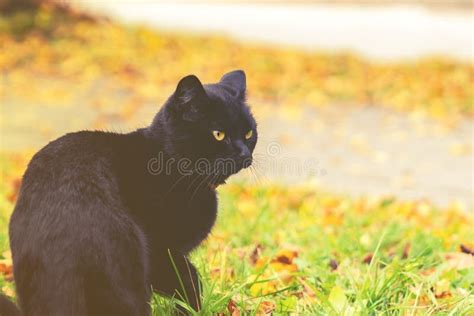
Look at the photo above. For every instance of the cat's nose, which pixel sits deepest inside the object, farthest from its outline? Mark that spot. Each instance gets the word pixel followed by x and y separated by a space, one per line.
pixel 244 154
pixel 242 149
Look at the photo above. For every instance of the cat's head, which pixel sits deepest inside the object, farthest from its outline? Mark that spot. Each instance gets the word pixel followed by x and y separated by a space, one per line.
pixel 211 124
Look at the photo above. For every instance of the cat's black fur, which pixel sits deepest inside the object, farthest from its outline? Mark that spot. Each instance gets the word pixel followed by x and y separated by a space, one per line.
pixel 97 221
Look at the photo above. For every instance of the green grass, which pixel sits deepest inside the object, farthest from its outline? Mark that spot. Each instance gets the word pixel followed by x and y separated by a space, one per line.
pixel 319 228
pixel 416 267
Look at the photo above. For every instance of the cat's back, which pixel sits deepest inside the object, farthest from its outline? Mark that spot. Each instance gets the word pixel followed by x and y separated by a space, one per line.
pixel 72 155
pixel 70 172
pixel 70 235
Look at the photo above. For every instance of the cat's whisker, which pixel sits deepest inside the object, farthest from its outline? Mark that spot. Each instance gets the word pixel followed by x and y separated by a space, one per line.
pixel 193 181
pixel 260 173
pixel 200 184
pixel 173 186
pixel 257 174
pixel 259 162
pixel 254 176
pixel 261 159
pixel 250 173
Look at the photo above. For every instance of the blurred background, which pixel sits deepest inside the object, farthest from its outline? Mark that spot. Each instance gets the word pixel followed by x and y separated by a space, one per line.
pixel 358 97
pixel 360 199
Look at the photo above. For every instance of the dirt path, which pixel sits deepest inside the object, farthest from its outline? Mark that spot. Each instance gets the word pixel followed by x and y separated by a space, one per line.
pixel 370 150
pixel 371 31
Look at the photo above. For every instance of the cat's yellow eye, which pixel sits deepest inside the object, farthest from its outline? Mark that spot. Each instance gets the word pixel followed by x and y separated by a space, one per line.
pixel 218 135
pixel 249 134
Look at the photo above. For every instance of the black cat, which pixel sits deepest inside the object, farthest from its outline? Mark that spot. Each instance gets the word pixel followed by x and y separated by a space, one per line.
pixel 104 218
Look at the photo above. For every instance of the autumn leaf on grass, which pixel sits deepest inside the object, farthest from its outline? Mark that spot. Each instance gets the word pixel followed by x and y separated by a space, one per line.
pixel 420 299
pixel 333 264
pixel 232 308
pixel 308 291
pixel 467 249
pixel 256 253
pixel 263 287
pixel 225 274
pixel 283 260
pixel 7 271
pixel 368 258
pixel 442 290
pixel 279 269
pixel 265 308
pixel 12 196
pixel 282 263
pixel 459 260
pixel 286 256
pixel 406 251
pixel 6 266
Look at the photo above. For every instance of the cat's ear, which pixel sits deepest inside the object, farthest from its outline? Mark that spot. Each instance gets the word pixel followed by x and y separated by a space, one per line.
pixel 236 80
pixel 190 98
